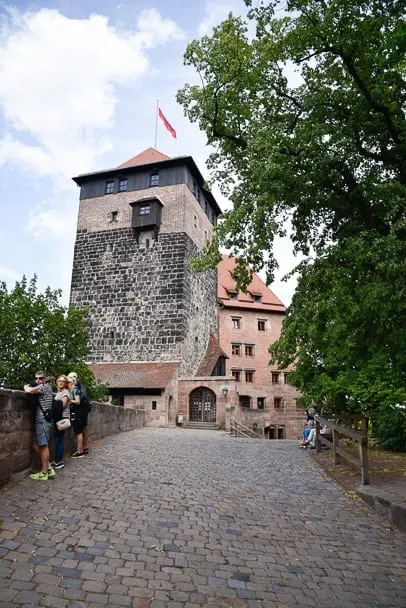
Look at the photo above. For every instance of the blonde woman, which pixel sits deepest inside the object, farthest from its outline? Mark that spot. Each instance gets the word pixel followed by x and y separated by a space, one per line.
pixel 62 401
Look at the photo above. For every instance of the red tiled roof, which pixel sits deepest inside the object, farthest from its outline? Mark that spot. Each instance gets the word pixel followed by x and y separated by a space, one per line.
pixel 213 352
pixel 135 375
pixel 150 155
pixel 226 284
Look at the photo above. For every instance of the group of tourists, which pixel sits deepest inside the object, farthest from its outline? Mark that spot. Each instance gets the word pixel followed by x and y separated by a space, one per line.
pixel 69 407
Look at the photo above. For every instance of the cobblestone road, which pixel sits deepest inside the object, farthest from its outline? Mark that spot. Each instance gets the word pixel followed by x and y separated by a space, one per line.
pixel 173 518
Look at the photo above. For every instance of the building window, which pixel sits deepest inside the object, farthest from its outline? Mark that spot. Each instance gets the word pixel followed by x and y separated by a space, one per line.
pixel 245 401
pixel 236 322
pixel 257 298
pixel 236 349
pixel 109 187
pixel 236 374
pixel 286 376
pixel 154 405
pixel 122 184
pixel 249 350
pixel 275 377
pixel 277 403
pixel 260 403
pixel 261 325
pixel 114 216
pixel 233 295
pixel 145 210
pixel 249 375
pixel 154 179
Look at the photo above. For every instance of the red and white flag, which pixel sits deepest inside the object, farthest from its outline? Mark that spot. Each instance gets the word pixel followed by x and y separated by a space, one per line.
pixel 166 123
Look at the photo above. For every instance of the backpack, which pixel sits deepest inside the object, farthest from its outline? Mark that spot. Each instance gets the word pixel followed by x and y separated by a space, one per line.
pixel 85 401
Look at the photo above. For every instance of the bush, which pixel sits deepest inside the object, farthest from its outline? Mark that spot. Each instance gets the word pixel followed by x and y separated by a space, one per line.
pixel 389 427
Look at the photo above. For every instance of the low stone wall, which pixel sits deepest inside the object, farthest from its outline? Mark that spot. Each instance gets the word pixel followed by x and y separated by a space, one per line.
pixel 16 420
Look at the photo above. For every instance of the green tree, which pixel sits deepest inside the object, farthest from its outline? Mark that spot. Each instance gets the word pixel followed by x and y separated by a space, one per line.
pixel 37 332
pixel 325 151
pixel 329 153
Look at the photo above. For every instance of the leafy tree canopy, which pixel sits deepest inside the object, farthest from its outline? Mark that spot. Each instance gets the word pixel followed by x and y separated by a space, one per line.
pixel 326 150
pixel 38 333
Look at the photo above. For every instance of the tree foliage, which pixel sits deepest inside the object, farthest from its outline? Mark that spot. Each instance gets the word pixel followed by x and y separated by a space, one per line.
pixel 38 333
pixel 307 121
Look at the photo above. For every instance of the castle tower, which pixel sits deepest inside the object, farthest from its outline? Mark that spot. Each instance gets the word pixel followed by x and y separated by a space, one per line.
pixel 138 227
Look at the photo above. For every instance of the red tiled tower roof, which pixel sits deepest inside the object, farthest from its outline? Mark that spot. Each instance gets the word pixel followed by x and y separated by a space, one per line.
pixel 258 296
pixel 148 156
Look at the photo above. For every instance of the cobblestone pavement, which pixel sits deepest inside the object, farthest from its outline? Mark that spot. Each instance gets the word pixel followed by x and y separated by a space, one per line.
pixel 173 518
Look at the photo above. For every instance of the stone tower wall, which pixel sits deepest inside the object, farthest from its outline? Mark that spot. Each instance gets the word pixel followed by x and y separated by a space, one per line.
pixel 181 212
pixel 145 303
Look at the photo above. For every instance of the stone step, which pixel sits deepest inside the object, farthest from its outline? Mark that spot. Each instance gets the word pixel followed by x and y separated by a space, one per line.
pixel 208 426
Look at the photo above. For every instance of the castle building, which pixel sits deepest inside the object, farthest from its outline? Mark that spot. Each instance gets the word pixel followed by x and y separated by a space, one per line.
pixel 248 323
pixel 158 337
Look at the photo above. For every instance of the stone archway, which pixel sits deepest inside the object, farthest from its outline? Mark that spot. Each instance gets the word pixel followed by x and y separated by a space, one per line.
pixel 202 405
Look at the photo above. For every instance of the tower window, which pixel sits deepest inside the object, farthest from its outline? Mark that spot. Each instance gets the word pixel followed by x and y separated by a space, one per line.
pixel 261 325
pixel 114 216
pixel 145 210
pixel 249 350
pixel 236 374
pixel 249 376
pixel 236 349
pixel 275 377
pixel 122 184
pixel 245 401
pixel 109 187
pixel 260 403
pixel 236 322
pixel 154 405
pixel 277 403
pixel 154 179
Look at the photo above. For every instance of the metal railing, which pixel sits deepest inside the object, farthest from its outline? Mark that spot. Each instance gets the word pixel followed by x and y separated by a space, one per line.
pixel 237 429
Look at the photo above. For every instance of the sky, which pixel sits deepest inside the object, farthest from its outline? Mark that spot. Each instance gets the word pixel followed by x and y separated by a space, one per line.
pixel 79 84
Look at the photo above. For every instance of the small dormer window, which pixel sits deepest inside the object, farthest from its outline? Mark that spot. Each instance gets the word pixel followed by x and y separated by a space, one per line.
pixel 233 295
pixel 154 179
pixel 145 209
pixel 122 185
pixel 257 297
pixel 109 187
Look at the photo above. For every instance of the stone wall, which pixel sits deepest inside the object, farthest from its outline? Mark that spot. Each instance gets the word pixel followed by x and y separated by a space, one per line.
pixel 145 304
pixel 16 417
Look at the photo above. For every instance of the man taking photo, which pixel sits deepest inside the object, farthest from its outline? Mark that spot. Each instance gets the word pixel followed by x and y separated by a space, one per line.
pixel 42 425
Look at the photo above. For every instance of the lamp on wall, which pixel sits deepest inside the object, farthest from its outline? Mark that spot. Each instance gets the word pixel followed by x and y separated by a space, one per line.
pixel 224 390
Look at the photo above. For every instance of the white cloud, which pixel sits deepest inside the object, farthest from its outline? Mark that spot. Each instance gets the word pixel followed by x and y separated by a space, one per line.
pixel 50 222
pixel 59 81
pixel 216 12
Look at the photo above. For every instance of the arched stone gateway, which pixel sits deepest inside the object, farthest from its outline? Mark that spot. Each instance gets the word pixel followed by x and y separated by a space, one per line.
pixel 202 405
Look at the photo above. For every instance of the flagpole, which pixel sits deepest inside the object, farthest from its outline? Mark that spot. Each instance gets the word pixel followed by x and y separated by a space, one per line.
pixel 156 122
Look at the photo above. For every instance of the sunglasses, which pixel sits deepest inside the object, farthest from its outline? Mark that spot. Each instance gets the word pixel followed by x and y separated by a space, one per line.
pixel 39 378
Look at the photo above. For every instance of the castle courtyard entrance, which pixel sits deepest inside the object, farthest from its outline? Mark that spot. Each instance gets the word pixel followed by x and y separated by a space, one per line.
pixel 202 405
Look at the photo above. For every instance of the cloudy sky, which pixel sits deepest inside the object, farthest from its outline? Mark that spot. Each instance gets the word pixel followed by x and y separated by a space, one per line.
pixel 79 81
